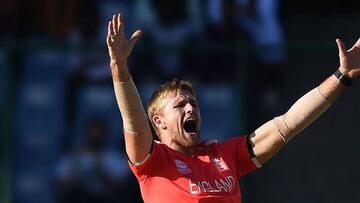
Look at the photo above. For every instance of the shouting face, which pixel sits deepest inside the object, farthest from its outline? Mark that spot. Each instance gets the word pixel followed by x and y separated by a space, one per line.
pixel 179 122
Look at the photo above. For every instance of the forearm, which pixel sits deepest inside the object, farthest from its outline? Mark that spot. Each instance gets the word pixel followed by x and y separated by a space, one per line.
pixel 308 108
pixel 331 88
pixel 128 99
pixel 268 139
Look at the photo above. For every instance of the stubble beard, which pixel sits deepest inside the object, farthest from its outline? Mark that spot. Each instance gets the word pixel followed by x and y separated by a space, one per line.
pixel 185 142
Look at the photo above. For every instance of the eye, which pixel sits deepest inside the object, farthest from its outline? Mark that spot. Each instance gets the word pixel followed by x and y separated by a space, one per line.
pixel 178 105
pixel 193 103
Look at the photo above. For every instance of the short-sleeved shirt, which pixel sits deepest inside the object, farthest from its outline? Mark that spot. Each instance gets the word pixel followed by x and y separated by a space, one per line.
pixel 210 175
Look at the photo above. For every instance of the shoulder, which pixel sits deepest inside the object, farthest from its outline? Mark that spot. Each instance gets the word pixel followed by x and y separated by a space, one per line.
pixel 211 143
pixel 159 147
pixel 156 164
pixel 233 144
pixel 234 140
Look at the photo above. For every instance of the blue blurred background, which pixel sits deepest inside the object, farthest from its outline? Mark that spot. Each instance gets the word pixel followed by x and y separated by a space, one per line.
pixel 61 138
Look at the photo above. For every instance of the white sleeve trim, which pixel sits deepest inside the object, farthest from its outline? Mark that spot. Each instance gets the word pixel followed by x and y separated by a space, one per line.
pixel 141 162
pixel 256 162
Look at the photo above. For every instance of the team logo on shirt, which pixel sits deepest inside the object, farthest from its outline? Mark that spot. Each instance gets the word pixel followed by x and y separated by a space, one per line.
pixel 182 167
pixel 220 165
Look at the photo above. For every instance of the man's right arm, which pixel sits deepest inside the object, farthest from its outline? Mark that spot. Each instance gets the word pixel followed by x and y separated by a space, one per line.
pixel 268 139
pixel 137 133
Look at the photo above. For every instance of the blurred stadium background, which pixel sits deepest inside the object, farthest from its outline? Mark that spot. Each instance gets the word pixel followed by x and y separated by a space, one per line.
pixel 61 138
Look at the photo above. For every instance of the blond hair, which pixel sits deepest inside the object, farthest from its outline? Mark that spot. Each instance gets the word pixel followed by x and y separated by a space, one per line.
pixel 159 97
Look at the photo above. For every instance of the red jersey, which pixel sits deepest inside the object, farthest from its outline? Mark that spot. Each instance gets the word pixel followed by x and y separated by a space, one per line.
pixel 210 175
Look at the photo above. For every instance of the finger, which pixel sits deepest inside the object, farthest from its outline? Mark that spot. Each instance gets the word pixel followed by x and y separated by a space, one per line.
pixel 108 40
pixel 115 24
pixel 341 47
pixel 135 37
pixel 110 28
pixel 121 25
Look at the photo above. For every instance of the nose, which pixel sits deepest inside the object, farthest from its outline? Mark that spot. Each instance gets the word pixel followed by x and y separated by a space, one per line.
pixel 189 108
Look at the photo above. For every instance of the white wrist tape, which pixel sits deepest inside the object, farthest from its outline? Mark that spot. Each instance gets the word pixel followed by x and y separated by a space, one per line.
pixel 301 114
pixel 129 102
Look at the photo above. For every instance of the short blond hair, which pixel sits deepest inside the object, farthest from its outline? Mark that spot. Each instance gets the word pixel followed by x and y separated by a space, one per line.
pixel 158 99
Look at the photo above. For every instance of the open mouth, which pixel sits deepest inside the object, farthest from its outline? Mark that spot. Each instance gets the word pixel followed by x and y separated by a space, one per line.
pixel 190 125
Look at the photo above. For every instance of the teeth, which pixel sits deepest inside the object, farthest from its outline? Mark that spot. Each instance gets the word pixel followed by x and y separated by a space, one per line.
pixel 190 119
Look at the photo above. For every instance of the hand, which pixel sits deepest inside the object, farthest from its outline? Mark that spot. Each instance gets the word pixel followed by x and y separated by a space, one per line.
pixel 350 59
pixel 119 47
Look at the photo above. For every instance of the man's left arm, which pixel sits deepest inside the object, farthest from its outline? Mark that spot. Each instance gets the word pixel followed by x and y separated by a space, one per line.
pixel 268 139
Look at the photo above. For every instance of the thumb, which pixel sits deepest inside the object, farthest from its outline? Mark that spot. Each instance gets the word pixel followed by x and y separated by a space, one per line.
pixel 341 47
pixel 135 37
pixel 357 43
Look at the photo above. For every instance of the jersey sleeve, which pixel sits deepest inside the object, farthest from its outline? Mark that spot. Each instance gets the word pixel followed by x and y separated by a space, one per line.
pixel 147 166
pixel 237 149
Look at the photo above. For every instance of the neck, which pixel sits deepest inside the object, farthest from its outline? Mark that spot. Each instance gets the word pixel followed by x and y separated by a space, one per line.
pixel 173 144
pixel 188 148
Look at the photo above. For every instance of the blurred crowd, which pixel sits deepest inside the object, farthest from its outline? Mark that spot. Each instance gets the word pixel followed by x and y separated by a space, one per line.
pixel 68 133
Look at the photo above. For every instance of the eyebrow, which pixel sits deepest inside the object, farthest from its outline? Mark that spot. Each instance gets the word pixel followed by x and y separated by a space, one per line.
pixel 182 99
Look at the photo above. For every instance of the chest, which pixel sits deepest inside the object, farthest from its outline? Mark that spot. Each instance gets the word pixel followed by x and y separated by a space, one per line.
pixel 201 175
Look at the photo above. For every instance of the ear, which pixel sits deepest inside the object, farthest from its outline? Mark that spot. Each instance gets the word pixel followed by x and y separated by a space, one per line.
pixel 158 121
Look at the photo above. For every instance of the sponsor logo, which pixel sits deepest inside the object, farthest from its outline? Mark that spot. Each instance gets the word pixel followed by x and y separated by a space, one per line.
pixel 182 167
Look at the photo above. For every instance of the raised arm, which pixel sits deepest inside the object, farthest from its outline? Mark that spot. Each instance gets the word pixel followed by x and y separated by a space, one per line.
pixel 138 138
pixel 268 139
